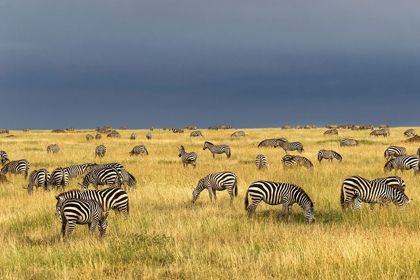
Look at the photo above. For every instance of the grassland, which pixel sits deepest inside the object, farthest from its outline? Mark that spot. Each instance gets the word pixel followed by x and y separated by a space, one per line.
pixel 168 237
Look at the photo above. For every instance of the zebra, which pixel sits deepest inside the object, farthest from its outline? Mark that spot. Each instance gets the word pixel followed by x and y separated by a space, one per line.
pixel 409 132
pixel 89 137
pixel 151 128
pixel 125 177
pixel 148 136
pixel 393 181
pixel 290 161
pixel 394 151
pixel 79 211
pixel 329 154
pixel 221 149
pixel 196 133
pixel 217 182
pixel 403 163
pixel 356 190
pixel 78 169
pixel 38 178
pixel 59 178
pixel 98 136
pixel 133 136
pixel 274 193
pixel 384 132
pixel 271 142
pixel 261 162
pixel 100 151
pixel 103 176
pixel 418 153
pixel 3 157
pixel 139 150
pixel 348 142
pixel 331 132
pixel 294 146
pixel 187 158
pixel 18 166
pixel 238 134
pixel 114 135
pixel 110 198
pixel 53 148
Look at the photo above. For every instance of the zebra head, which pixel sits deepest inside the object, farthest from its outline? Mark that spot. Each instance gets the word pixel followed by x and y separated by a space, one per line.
pixel 389 166
pixel 102 225
pixel 181 151
pixel 310 213
pixel 207 145
pixel 84 185
pixel 196 192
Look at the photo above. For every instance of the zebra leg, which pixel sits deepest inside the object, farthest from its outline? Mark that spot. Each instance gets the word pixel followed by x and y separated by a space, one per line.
pixel 230 191
pixel 92 226
pixel 283 211
pixel 290 213
pixel 372 206
pixel 63 228
pixel 95 185
pixel 213 155
pixel 210 194
pixel 72 224
pixel 214 194
pixel 251 208
pixel 357 203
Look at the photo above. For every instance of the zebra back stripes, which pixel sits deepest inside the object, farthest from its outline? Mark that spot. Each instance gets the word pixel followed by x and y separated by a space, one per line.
pixel 78 169
pixel 329 155
pixel 139 150
pixel 196 134
pixel 187 158
pixel 394 151
pixel 100 151
pixel 217 182
pixel 38 178
pixel 238 134
pixel 393 181
pixel 274 193
pixel 290 161
pixel 18 166
pixel 59 178
pixel 261 161
pixel 125 178
pixel 384 132
pixel 271 142
pixel 403 163
pixel 103 176
pixel 221 149
pixel 3 157
pixel 348 142
pixel 294 146
pixel 331 132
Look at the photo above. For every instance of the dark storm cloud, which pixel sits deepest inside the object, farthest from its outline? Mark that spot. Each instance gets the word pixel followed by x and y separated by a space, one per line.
pixel 175 63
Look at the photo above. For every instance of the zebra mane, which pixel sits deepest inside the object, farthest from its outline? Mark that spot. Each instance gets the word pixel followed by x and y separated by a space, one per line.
pixel 207 142
pixel 304 194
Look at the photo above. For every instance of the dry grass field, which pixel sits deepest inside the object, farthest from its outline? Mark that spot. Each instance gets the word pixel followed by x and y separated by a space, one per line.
pixel 168 237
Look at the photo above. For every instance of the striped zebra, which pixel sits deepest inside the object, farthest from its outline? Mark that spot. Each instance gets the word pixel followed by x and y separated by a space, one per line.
pixel 261 162
pixel 394 151
pixel 104 176
pixel 290 161
pixel 274 193
pixel 79 211
pixel 79 169
pixel 384 132
pixel 18 166
pixel 294 146
pixel 125 178
pixel 133 136
pixel 89 137
pixel 331 132
pixel 148 136
pixel 418 153
pixel 3 157
pixel 356 190
pixel 348 142
pixel 59 178
pixel 139 150
pixel 329 155
pixel 221 149
pixel 217 182
pixel 271 142
pixel 100 151
pixel 238 134
pixel 409 132
pixel 98 136
pixel 110 198
pixel 196 133
pixel 53 148
pixel 393 181
pixel 114 135
pixel 187 158
pixel 151 128
pixel 38 178
pixel 403 163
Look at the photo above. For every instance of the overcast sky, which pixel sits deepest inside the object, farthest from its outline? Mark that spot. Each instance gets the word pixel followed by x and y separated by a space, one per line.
pixel 175 63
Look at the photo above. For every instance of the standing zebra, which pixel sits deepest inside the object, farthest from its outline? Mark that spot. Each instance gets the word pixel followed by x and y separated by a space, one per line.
pixel 3 157
pixel 89 137
pixel 403 163
pixel 393 181
pixel 133 136
pixel 394 151
pixel 148 136
pixel 38 178
pixel 18 166
pixel 331 132
pixel 78 211
pixel 261 162
pixel 100 151
pixel 221 149
pixel 348 142
pixel 98 136
pixel 274 193
pixel 217 182
pixel 384 132
pixel 271 142
pixel 111 198
pixel 238 134
pixel 290 161
pixel 196 133
pixel 329 155
pixel 294 146
pixel 78 169
pixel 187 158
pixel 356 190
pixel 409 132
pixel 103 176
pixel 139 150
pixel 59 178
pixel 53 148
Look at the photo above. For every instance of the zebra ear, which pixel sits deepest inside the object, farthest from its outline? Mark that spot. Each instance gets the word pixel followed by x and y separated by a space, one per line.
pixel 80 184
pixel 57 197
pixel 193 187
pixel 106 215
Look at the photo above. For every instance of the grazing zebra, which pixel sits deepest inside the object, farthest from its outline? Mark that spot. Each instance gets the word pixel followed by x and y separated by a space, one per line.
pixel 53 148
pixel 290 161
pixel 3 157
pixel 394 151
pixel 98 136
pixel 38 178
pixel 271 142
pixel 393 181
pixel 79 211
pixel 196 133
pixel 139 150
pixel 331 132
pixel 133 136
pixel 238 134
pixel 221 149
pixel 328 154
pixel 89 137
pixel 348 142
pixel 294 146
pixel 104 176
pixel 409 132
pixel 187 158
pixel 403 163
pixel 356 190
pixel 78 169
pixel 18 166
pixel 384 132
pixel 261 162
pixel 114 135
pixel 217 182
pixel 274 193
pixel 59 178
pixel 100 151
pixel 125 177
pixel 148 136
pixel 111 198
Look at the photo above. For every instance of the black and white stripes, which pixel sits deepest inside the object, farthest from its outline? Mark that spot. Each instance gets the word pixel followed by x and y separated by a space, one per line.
pixel 3 157
pixel 53 148
pixel 261 161
pixel 100 151
pixel 59 178
pixel 271 142
pixel 329 155
pixel 196 133
pixel 221 149
pixel 348 142
pixel 139 150
pixel 187 158
pixel 18 166
pixel 403 163
pixel 38 178
pixel 238 134
pixel 394 151
pixel 290 161
pixel 294 146
pixel 217 182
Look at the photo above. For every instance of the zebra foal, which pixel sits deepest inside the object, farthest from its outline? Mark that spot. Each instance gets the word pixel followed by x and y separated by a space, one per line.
pixel 217 182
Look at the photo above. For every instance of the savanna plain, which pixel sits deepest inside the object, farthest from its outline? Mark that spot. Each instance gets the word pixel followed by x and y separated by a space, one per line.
pixel 165 236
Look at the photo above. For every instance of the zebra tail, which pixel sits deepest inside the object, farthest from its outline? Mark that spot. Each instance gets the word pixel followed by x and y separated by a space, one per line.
pixel 342 196
pixel 319 158
pixel 246 200
pixel 236 188
pixel 385 154
pixel 229 152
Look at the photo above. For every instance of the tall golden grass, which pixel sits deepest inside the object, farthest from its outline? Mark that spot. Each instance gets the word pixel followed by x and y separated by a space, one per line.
pixel 168 237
